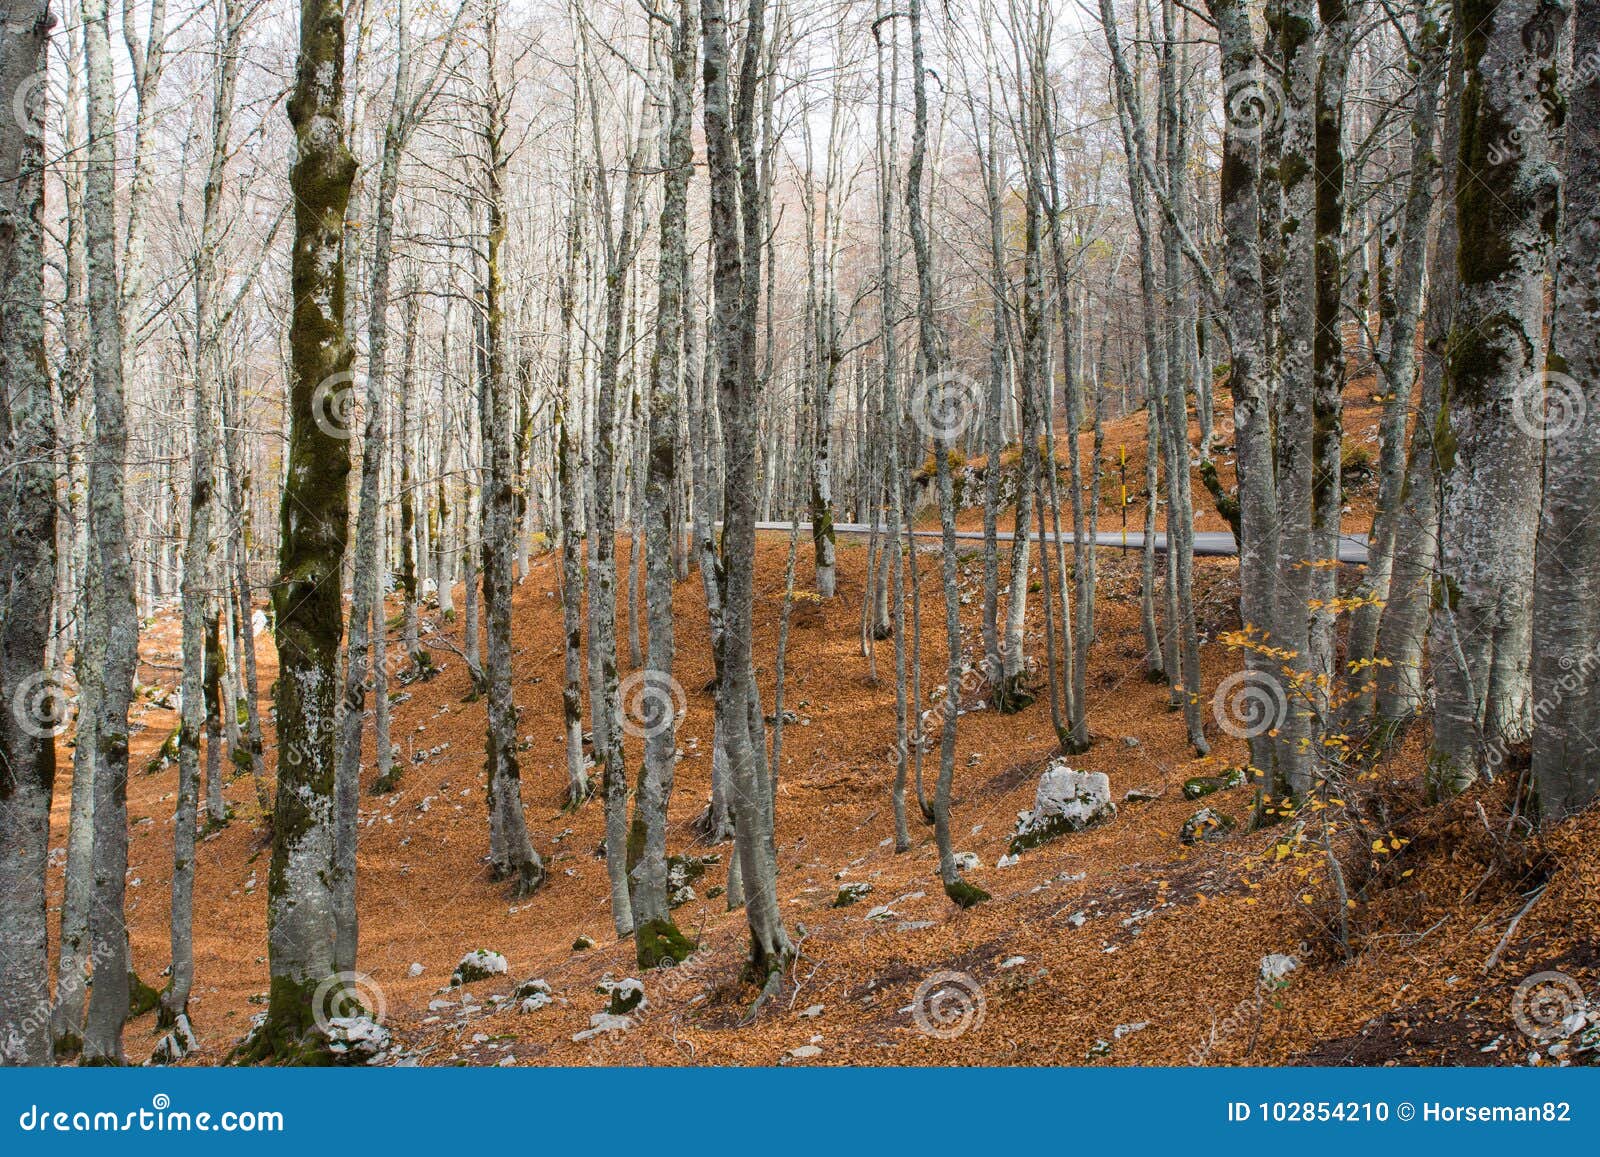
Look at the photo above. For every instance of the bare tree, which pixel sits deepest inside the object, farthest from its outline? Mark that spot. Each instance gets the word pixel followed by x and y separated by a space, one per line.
pixel 656 935
pixel 510 850
pixel 1506 194
pixel 732 162
pixel 1566 631
pixel 202 567
pixel 111 613
pixel 34 704
pixel 302 903
pixel 930 346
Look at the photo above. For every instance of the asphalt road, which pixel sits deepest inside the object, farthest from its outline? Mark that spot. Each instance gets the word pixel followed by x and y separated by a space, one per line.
pixel 1215 543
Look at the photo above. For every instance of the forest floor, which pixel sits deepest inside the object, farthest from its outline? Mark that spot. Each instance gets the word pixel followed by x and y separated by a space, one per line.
pixel 1116 945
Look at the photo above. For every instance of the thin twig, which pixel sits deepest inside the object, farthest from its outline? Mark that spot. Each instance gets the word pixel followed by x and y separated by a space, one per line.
pixel 1494 957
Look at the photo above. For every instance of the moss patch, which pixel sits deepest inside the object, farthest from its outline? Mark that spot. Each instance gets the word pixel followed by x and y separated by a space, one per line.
pixel 964 894
pixel 660 942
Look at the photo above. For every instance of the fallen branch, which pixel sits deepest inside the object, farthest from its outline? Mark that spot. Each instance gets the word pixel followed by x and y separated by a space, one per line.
pixel 1494 957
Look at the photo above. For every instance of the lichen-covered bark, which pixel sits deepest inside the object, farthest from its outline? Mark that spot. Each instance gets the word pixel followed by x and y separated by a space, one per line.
pixel 656 935
pixel 1507 193
pixel 1009 692
pixel 302 924
pixel 1249 372
pixel 28 702
pixel 1566 597
pixel 510 848
pixel 72 969
pixel 1338 19
pixel 113 612
pixel 736 239
pixel 1401 310
pixel 931 346
pixel 1296 435
pixel 1404 623
pixel 568 486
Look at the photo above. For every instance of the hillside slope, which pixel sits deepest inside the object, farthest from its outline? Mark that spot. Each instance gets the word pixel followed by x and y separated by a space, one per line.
pixel 1114 945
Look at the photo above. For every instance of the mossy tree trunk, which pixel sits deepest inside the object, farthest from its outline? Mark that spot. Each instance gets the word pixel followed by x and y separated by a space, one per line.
pixel 1297 45
pixel 656 936
pixel 1010 693
pixel 511 850
pixel 930 345
pixel 1507 200
pixel 33 707
pixel 114 614
pixel 1249 370
pixel 1403 625
pixel 1338 19
pixel 314 514
pixel 1566 598
pixel 732 164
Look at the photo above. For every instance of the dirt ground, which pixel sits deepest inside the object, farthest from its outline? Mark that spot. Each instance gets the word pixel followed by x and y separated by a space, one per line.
pixel 1116 945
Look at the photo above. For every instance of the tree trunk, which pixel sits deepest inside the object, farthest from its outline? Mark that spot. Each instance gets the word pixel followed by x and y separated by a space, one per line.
pixel 930 346
pixel 1566 602
pixel 302 905
pixel 1338 19
pixel 656 935
pixel 1297 41
pixel 1249 368
pixel 1397 366
pixel 35 702
pixel 115 614
pixel 731 162
pixel 511 851
pixel 1507 194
